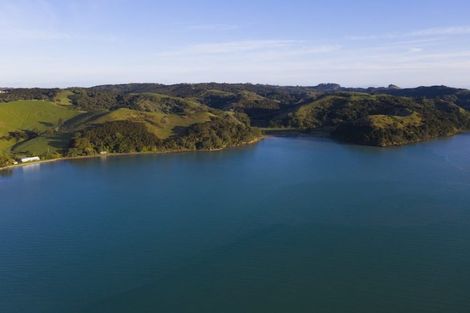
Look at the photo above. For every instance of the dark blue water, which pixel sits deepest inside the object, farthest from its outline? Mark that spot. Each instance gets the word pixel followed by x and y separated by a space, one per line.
pixel 288 225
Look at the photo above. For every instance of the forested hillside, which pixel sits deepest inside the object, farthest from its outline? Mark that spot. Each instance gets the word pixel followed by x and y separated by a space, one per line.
pixel 52 123
pixel 153 117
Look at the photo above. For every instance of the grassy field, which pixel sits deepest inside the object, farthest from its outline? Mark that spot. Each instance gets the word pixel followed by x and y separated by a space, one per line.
pixel 30 115
pixel 5 146
pixel 44 117
pixel 388 121
pixel 160 124
pixel 62 97
pixel 42 145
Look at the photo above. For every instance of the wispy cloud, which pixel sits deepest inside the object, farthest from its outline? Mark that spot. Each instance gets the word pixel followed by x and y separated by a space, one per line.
pixel 415 50
pixel 213 27
pixel 456 30
pixel 252 46
pixel 429 32
pixel 18 34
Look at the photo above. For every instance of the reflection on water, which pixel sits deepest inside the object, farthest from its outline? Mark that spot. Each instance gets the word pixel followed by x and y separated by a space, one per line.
pixel 33 167
pixel 6 172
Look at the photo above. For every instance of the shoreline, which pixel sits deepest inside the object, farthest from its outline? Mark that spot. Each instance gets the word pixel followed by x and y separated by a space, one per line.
pixel 267 134
pixel 297 132
pixel 20 165
pixel 326 134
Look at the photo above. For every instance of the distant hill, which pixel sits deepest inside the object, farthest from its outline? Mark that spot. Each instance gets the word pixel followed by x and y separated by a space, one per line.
pixel 77 121
pixel 380 120
pixel 329 87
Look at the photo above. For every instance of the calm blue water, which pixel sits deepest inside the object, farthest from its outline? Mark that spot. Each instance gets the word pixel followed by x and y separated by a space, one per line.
pixel 288 225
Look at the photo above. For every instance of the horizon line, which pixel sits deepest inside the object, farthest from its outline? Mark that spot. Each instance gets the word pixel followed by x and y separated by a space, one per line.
pixel 234 83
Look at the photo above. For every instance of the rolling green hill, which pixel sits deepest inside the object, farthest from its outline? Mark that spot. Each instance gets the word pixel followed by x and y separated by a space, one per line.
pixel 83 121
pixel 51 129
pixel 378 119
pixel 24 120
pixel 160 124
pixel 44 145
pixel 32 114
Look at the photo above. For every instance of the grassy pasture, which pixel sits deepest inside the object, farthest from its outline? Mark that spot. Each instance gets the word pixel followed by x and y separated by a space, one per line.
pixel 42 145
pixel 45 116
pixel 388 121
pixel 62 97
pixel 161 124
pixel 30 115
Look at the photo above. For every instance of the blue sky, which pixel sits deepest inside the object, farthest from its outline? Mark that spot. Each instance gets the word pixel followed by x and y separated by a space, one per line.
pixel 52 43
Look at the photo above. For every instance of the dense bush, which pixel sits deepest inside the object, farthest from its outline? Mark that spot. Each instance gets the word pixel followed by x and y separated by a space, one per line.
pixel 28 94
pixel 127 136
pixel 5 160
pixel 118 137
pixel 215 134
pixel 347 116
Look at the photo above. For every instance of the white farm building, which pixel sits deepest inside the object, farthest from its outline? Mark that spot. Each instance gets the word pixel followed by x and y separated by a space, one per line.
pixel 30 159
